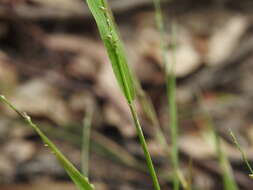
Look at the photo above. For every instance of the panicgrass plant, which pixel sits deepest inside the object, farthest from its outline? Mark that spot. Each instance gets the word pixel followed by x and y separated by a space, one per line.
pixel 110 36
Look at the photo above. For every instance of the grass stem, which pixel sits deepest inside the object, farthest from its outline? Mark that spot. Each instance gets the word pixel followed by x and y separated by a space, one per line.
pixel 229 182
pixel 171 88
pixel 87 122
pixel 144 147
pixel 244 156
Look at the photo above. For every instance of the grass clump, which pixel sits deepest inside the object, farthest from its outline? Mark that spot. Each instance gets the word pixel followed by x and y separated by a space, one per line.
pixel 109 34
pixel 81 181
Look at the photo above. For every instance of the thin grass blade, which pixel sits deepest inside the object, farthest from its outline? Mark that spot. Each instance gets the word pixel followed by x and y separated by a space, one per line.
pixel 87 123
pixel 171 88
pixel 229 182
pixel 227 173
pixel 81 182
pixel 244 156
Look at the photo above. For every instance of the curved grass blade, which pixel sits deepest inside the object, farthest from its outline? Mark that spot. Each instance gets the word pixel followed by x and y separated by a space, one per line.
pixel 115 50
pixel 81 182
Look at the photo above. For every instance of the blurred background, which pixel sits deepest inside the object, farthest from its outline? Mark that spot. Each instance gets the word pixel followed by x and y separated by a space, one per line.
pixel 53 66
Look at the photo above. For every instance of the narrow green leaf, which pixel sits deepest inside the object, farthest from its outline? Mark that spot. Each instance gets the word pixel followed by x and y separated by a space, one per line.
pixel 81 182
pixel 170 88
pixel 112 42
pixel 227 172
pixel 85 154
pixel 229 182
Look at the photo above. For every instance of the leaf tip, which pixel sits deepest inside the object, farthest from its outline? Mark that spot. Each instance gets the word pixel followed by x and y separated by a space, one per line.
pixel 2 97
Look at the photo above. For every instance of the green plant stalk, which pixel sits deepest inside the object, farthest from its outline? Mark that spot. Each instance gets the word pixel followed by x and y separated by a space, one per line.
pixel 144 147
pixel 81 182
pixel 226 169
pixel 227 173
pixel 87 122
pixel 171 92
pixel 161 28
pixel 171 88
pixel 110 36
pixel 150 112
pixel 244 156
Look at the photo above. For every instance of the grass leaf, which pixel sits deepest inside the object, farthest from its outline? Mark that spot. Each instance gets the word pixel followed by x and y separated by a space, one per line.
pixel 81 182
pixel 170 88
pixel 115 50
pixel 85 153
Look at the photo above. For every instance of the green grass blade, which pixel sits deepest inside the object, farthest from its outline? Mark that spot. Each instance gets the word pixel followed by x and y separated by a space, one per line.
pixel 171 88
pixel 81 182
pixel 115 50
pixel 244 156
pixel 87 122
pixel 150 112
pixel 171 92
pixel 172 106
pixel 109 34
pixel 229 182
pixel 227 173
pixel 161 28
